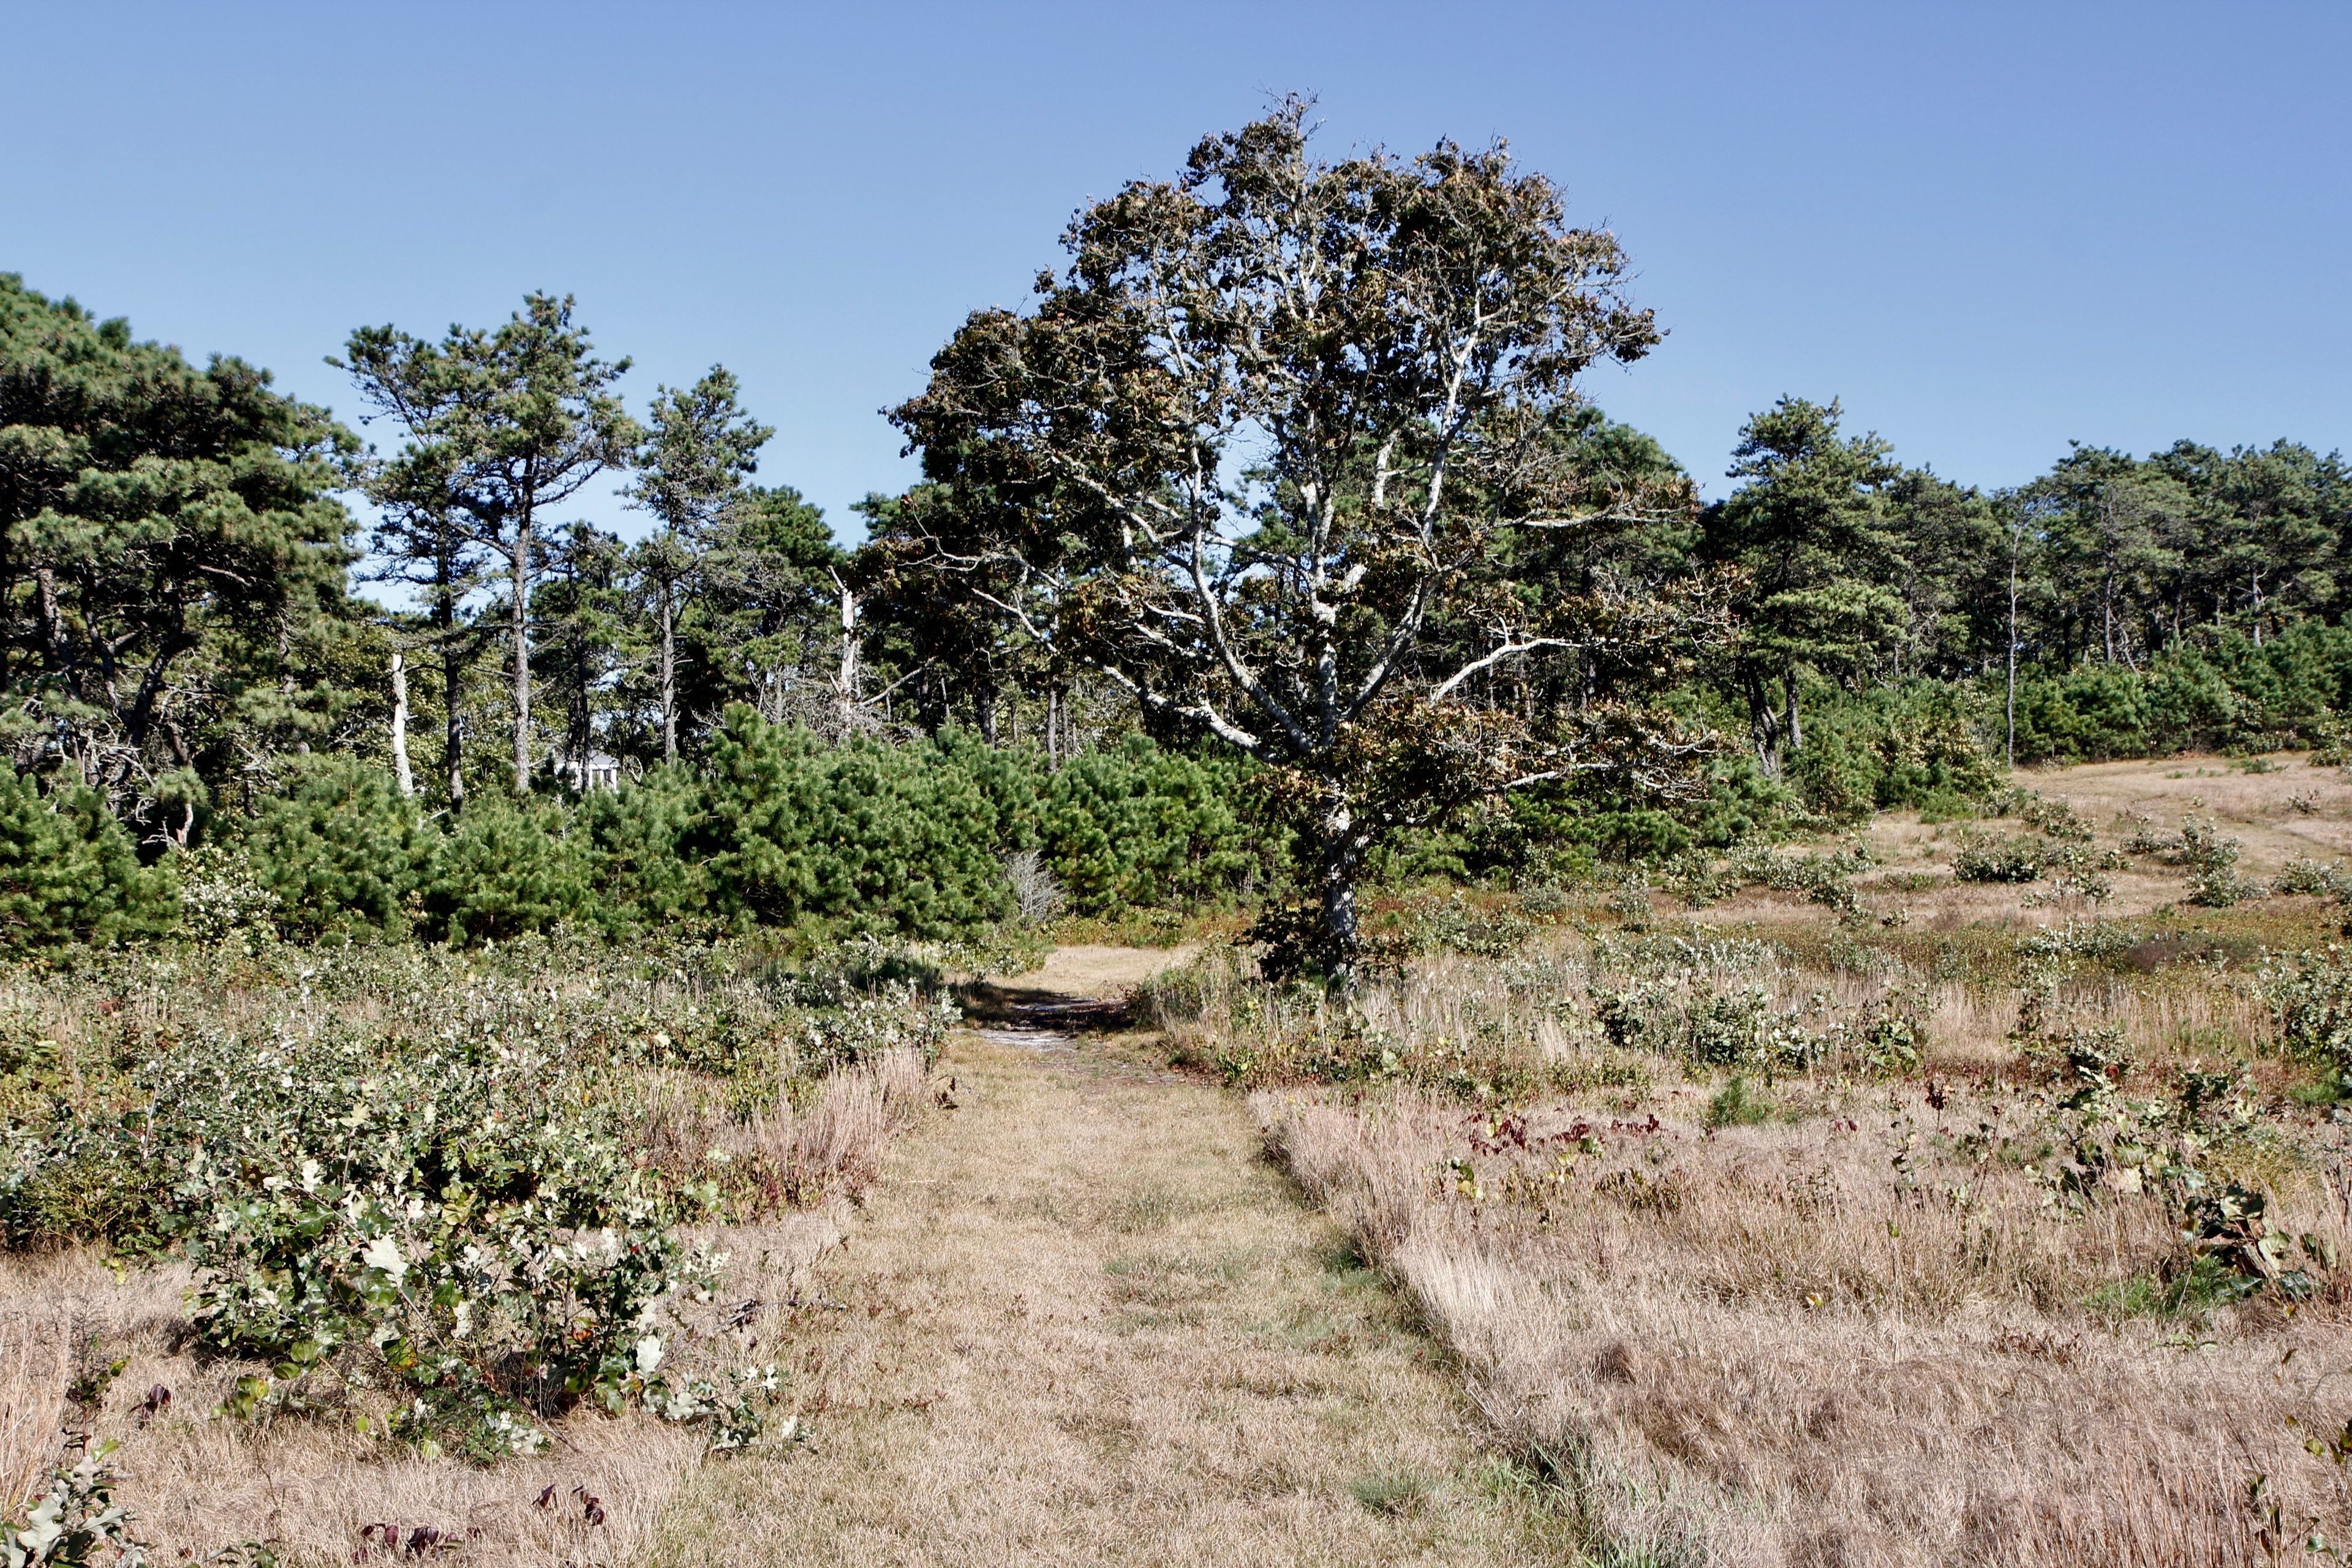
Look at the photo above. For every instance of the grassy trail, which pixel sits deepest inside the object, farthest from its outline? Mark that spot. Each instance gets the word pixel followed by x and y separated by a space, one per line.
pixel 1081 1322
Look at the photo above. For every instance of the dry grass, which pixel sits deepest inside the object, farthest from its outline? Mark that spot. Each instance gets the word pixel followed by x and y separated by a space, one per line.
pixel 1758 1347
pixel 199 1483
pixel 1857 1323
pixel 2292 809
pixel 1089 970
pixel 830 1147
pixel 2293 812
pixel 37 1368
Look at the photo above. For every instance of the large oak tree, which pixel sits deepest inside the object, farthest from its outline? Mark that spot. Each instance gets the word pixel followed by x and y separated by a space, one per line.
pixel 1254 452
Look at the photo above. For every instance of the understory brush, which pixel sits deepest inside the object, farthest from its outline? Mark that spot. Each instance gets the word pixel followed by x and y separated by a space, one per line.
pixel 1613 1012
pixel 439 1199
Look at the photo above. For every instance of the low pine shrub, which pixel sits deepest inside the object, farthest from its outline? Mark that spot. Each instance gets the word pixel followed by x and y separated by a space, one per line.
pixel 508 870
pixel 338 855
pixel 69 873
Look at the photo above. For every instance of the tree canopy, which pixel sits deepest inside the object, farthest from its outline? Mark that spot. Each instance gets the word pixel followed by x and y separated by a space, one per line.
pixel 1263 437
pixel 1273 543
pixel 172 558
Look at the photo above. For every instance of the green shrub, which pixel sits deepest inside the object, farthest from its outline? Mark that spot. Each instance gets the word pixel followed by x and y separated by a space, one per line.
pixel 646 879
pixel 506 870
pixel 1136 824
pixel 2211 859
pixel 455 1221
pixel 223 899
pixel 1740 804
pixel 1683 1012
pixel 1983 858
pixel 2304 874
pixel 874 837
pixel 2226 693
pixel 2311 1005
pixel 1881 750
pixel 1734 1106
pixel 339 851
pixel 69 873
pixel 75 1523
pixel 74 1167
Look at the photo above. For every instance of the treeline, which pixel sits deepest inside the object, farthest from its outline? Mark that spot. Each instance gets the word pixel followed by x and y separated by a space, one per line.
pixel 2132 604
pixel 937 838
pixel 734 719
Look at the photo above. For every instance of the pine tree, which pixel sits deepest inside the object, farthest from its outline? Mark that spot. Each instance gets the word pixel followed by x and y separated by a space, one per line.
pixel 690 471
pixel 504 424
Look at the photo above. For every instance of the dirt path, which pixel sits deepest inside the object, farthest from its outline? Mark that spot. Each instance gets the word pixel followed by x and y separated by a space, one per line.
pixel 1081 1322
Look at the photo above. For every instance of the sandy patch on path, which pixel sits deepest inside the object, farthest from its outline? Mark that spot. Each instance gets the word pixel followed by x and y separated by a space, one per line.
pixel 1094 971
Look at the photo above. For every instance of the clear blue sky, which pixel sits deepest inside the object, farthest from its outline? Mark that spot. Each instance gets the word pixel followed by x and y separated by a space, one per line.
pixel 1988 229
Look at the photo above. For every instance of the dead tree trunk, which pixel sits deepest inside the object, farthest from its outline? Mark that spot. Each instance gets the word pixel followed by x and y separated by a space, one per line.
pixel 844 680
pixel 518 568
pixel 400 772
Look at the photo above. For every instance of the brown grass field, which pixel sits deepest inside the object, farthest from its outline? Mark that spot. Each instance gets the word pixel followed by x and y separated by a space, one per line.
pixel 1940 1314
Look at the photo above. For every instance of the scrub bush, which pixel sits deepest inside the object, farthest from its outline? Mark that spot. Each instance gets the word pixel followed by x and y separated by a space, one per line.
pixel 453 1225
pixel 68 872
pixel 339 852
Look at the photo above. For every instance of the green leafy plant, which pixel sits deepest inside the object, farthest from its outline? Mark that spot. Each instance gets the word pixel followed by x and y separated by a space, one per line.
pixel 1983 858
pixel 1734 1106
pixel 436 1192
pixel 455 1225
pixel 2212 861
pixel 76 1523
pixel 2310 1007
pixel 1889 1041
pixel 2304 874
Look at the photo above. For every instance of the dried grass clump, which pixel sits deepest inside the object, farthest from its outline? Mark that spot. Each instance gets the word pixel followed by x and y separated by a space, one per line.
pixel 833 1147
pixel 36 1367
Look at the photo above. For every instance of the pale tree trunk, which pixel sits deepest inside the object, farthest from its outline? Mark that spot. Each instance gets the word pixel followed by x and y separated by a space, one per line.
pixel 519 564
pixel 1767 716
pixel 1763 724
pixel 453 739
pixel 1795 730
pixel 285 654
pixel 1342 858
pixel 668 677
pixel 2107 574
pixel 2012 651
pixel 400 723
pixel 844 680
